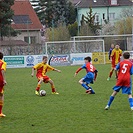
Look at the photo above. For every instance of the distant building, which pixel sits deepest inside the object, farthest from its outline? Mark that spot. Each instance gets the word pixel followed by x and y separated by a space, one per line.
pixel 26 21
pixel 106 10
pixel 29 40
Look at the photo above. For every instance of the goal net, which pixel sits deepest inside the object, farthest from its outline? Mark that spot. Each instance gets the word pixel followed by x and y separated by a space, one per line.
pixel 96 47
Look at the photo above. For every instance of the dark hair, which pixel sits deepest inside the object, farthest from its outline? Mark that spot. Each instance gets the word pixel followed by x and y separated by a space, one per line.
pixel 44 57
pixel 88 58
pixel 126 55
pixel 1 55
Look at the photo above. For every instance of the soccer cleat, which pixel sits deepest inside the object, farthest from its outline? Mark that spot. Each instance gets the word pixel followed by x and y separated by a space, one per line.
pixel 2 115
pixel 55 93
pixel 107 107
pixel 108 78
pixel 131 108
pixel 89 91
pixel 37 92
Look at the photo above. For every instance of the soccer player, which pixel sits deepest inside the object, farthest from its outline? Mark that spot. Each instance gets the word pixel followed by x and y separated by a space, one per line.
pixel 42 68
pixel 115 59
pixel 89 77
pixel 2 83
pixel 125 69
pixel 110 50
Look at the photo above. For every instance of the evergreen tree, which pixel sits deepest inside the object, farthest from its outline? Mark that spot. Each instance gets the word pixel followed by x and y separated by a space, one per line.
pixel 6 14
pixel 90 21
pixel 53 12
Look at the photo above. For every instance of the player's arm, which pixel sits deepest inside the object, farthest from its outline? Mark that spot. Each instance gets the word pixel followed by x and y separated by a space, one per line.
pixel 34 68
pixel 32 72
pixel 57 70
pixel 95 75
pixel 117 69
pixel 112 54
pixel 77 71
pixel 52 68
pixel 131 70
pixel 3 73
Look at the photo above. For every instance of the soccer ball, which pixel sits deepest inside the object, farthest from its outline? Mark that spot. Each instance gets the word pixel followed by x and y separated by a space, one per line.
pixel 42 93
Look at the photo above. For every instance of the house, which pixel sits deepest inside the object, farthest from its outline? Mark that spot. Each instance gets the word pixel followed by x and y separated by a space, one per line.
pixel 106 10
pixel 26 21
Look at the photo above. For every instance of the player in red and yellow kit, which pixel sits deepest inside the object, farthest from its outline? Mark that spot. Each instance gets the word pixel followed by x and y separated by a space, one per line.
pixel 115 59
pixel 89 77
pixel 125 69
pixel 2 83
pixel 42 68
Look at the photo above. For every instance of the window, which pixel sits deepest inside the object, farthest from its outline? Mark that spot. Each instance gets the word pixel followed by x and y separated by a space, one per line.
pixel 113 2
pixel 103 16
pixel 111 16
pixel 21 19
pixel 97 18
pixel 31 39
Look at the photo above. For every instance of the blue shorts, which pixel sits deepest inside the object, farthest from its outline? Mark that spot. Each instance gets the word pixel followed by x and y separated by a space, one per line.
pixel 88 78
pixel 125 90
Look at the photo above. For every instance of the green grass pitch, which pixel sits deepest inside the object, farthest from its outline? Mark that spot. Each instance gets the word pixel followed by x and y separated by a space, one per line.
pixel 72 111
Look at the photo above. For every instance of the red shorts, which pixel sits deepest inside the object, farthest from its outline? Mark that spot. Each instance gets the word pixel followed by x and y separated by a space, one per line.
pixel 113 65
pixel 45 78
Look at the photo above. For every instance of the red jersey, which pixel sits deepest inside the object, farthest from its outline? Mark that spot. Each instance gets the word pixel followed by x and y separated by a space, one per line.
pixel 89 68
pixel 125 69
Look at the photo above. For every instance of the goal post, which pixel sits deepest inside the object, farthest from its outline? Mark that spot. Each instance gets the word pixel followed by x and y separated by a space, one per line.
pixel 96 47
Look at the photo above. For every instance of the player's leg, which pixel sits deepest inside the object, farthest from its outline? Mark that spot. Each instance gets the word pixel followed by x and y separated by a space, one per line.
pixel 52 87
pixel 85 83
pixel 110 74
pixel 81 81
pixel 111 100
pixel 1 103
pixel 116 76
pixel 130 99
pixel 40 80
pixel 128 90
pixel 92 91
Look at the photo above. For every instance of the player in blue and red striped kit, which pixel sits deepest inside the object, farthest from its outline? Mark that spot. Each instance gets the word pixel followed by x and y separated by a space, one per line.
pixel 89 77
pixel 125 70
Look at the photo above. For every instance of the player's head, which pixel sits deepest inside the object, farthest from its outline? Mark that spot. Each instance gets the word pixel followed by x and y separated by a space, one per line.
pixel 117 46
pixel 1 55
pixel 87 59
pixel 126 55
pixel 112 45
pixel 45 59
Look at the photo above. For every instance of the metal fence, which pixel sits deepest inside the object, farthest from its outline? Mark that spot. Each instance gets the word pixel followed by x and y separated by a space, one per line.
pixel 78 44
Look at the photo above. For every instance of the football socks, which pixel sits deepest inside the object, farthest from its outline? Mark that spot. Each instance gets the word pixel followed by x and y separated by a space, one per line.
pixel 110 100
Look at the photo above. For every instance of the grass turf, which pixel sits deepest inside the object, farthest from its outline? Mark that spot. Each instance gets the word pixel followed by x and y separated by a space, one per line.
pixel 72 111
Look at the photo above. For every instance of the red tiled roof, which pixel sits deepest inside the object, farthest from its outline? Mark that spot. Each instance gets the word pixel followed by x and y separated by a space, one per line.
pixel 24 7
